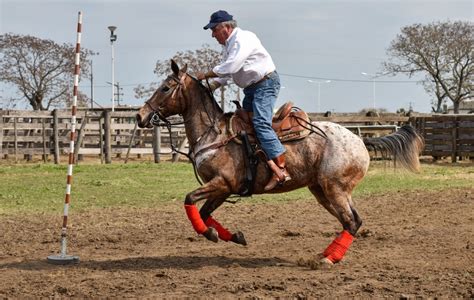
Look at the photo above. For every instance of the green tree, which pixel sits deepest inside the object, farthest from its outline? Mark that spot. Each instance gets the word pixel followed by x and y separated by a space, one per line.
pixel 200 60
pixel 443 52
pixel 41 70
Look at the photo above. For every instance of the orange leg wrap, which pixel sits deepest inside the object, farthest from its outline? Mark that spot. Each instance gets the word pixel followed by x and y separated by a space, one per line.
pixel 224 234
pixel 195 218
pixel 336 250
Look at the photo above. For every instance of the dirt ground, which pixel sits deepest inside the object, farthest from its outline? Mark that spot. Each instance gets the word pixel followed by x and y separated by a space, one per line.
pixel 410 245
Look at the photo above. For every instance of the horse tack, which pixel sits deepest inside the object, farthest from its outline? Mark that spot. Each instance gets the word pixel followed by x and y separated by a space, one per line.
pixel 286 123
pixel 330 163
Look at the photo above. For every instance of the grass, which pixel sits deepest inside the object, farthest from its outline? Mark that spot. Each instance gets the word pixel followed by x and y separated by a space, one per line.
pixel 41 187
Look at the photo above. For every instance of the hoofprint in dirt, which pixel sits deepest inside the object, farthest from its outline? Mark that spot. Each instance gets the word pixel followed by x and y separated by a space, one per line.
pixel 411 244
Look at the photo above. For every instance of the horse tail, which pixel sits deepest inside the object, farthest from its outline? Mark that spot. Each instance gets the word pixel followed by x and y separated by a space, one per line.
pixel 403 146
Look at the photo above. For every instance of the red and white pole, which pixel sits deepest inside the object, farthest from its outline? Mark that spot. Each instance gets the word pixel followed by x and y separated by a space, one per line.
pixel 63 258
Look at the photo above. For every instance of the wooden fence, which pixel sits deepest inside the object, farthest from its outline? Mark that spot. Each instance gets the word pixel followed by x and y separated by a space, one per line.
pixel 107 135
pixel 447 135
pixel 101 133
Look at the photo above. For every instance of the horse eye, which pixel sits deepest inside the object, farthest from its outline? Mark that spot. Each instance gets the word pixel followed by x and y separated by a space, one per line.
pixel 165 89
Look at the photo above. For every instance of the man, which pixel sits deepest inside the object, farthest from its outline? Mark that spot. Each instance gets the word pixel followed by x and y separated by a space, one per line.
pixel 251 67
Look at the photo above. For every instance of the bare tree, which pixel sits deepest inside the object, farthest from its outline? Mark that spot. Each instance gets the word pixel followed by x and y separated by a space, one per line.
pixel 443 51
pixel 200 60
pixel 41 70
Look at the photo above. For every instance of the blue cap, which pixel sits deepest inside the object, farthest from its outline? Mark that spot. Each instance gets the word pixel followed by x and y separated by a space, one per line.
pixel 218 17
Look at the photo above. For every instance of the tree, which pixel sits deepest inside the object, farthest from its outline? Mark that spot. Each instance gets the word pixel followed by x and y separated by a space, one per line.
pixel 41 70
pixel 443 51
pixel 200 60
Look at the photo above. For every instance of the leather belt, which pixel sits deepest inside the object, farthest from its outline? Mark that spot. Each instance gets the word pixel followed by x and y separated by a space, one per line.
pixel 261 80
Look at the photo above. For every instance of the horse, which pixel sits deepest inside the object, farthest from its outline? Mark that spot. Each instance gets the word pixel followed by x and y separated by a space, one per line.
pixel 329 164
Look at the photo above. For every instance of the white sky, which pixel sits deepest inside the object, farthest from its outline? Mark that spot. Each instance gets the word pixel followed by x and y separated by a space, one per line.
pixel 325 39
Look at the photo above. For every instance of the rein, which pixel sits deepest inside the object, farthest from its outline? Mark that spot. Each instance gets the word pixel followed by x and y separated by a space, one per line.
pixel 158 119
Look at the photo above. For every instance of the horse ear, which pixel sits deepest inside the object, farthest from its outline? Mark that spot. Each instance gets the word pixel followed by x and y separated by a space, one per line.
pixel 175 68
pixel 185 68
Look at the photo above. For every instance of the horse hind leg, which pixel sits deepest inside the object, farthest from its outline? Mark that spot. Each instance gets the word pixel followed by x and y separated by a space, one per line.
pixel 339 203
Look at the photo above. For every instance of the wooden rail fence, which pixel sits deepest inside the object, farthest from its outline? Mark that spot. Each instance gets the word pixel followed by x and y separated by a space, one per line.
pixel 447 135
pixel 107 135
pixel 102 133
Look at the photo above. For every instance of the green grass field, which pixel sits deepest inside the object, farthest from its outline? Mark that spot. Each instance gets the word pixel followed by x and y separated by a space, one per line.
pixel 41 187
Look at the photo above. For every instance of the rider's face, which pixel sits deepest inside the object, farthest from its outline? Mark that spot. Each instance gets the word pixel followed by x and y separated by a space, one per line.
pixel 221 33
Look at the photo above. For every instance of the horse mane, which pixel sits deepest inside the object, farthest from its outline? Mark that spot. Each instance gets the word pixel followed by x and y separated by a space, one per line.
pixel 207 92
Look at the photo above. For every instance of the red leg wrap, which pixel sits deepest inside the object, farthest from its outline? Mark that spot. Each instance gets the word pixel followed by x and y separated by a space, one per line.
pixel 195 218
pixel 336 250
pixel 224 234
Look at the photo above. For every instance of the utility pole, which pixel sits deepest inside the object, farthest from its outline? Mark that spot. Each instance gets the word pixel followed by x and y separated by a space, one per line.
pixel 118 92
pixel 113 38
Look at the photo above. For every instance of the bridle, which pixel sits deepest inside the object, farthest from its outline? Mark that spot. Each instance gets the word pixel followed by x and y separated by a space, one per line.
pixel 158 119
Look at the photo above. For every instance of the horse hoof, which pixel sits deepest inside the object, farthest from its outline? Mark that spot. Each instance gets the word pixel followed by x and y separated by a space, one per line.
pixel 239 238
pixel 323 260
pixel 211 234
pixel 326 261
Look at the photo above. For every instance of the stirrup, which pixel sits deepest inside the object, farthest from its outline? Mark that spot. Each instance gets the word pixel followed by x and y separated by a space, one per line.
pixel 276 180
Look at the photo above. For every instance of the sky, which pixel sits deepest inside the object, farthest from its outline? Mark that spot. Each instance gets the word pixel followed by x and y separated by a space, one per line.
pixel 318 40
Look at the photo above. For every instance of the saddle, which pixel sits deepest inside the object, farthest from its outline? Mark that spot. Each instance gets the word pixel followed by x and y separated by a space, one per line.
pixel 289 123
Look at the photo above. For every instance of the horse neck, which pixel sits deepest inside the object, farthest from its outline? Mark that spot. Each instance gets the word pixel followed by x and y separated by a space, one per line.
pixel 202 112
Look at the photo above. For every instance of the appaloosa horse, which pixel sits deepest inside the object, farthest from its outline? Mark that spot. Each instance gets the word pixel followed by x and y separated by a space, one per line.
pixel 330 165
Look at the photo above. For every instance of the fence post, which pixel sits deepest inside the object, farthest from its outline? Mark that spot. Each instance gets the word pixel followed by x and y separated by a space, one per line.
pixel 56 136
pixel 43 126
pixel 131 141
pixel 101 139
pixel 183 145
pixel 156 143
pixel 107 137
pixel 15 138
pixel 80 137
pixel 1 136
pixel 454 141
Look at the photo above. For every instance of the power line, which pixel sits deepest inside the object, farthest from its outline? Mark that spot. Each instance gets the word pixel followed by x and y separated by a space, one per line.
pixel 295 76
pixel 348 80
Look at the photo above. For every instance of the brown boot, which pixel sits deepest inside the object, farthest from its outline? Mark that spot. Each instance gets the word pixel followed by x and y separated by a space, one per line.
pixel 280 175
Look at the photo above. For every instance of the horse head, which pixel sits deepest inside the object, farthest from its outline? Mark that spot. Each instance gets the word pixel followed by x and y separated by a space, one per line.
pixel 167 100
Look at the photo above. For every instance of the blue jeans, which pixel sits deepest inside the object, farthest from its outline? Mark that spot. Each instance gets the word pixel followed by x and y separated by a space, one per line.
pixel 260 99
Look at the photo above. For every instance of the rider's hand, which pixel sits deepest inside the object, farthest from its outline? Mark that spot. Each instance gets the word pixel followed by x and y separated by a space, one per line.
pixel 209 74
pixel 201 76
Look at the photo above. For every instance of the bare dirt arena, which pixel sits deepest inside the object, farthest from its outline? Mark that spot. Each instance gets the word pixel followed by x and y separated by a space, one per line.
pixel 410 245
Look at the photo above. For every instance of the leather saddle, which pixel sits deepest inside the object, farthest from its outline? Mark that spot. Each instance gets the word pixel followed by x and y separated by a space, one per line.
pixel 290 123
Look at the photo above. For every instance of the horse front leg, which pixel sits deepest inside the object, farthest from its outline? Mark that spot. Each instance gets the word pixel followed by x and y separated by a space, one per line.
pixel 223 233
pixel 215 192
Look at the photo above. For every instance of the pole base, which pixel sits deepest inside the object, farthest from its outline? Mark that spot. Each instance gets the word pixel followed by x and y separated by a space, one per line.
pixel 63 259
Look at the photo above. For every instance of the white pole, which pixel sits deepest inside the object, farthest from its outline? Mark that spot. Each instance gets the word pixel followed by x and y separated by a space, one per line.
pixel 319 96
pixel 113 75
pixel 319 91
pixel 63 258
pixel 373 90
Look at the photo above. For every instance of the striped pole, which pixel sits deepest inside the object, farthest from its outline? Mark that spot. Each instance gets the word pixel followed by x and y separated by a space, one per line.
pixel 63 258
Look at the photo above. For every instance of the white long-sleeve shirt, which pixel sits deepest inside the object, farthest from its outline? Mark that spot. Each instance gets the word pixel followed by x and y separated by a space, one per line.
pixel 245 60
